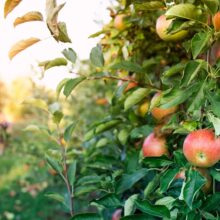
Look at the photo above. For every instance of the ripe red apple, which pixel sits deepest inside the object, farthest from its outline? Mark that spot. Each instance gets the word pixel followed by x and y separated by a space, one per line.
pixel 154 146
pixel 160 113
pixel 201 148
pixel 119 22
pixel 216 21
pixel 161 28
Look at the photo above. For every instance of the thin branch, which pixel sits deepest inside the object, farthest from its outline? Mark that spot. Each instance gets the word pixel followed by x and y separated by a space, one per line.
pixel 122 79
pixel 66 179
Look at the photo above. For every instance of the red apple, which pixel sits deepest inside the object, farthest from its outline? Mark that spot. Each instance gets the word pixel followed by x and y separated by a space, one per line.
pixel 216 21
pixel 154 146
pixel 160 113
pixel 162 26
pixel 201 148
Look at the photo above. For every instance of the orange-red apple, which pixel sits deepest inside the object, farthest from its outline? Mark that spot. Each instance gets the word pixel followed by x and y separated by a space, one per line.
pixel 119 22
pixel 201 148
pixel 162 26
pixel 160 113
pixel 216 21
pixel 154 146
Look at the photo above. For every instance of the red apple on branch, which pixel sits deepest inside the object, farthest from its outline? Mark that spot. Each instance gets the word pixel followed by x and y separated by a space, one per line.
pixel 201 148
pixel 154 146
pixel 162 26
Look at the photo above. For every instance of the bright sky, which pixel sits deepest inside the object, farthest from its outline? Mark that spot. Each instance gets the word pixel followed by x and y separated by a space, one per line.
pixel 79 16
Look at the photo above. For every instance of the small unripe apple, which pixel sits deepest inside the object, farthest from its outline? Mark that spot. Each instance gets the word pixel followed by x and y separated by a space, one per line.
pixel 162 26
pixel 160 113
pixel 216 21
pixel 143 108
pixel 201 148
pixel 119 22
pixel 154 146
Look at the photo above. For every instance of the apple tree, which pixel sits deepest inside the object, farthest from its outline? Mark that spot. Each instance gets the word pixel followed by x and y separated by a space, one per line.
pixel 155 154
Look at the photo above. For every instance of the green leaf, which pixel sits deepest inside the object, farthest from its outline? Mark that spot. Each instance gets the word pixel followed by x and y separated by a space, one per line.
pixel 56 197
pixel 152 185
pixel 212 5
pixel 53 63
pixel 129 207
pixel 106 126
pixel 96 56
pixel 89 180
pixel 208 216
pixel 194 183
pixel 185 11
pixel 191 70
pixel 212 202
pixel 55 165
pixel 157 161
pixel 71 173
pixel 215 174
pixel 57 117
pixel 179 158
pixel 215 103
pixel 123 136
pixel 166 201
pixel 216 123
pixel 140 132
pixel 177 96
pixel 108 201
pixel 135 97
pixel 174 70
pixel 128 180
pixel 87 216
pixel 199 98
pixel 70 54
pixel 199 42
pixel 69 131
pixel 128 66
pixel 71 84
pixel 81 190
pixel 63 35
pixel 60 86
pixel 167 178
pixel 160 211
pixel 152 5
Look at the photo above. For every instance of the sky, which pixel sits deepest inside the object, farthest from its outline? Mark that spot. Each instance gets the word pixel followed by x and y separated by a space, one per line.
pixel 80 17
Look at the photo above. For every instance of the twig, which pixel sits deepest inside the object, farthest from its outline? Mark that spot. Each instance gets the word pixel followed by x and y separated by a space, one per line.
pixel 121 79
pixel 66 179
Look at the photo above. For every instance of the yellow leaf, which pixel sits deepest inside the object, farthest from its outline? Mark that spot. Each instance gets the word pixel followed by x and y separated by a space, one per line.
pixel 22 45
pixel 10 5
pixel 30 16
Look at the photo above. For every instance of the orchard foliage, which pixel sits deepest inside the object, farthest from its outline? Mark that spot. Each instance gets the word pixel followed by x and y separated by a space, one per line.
pixel 110 173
